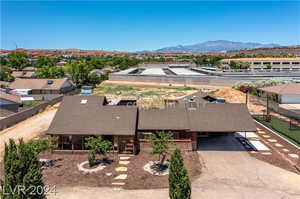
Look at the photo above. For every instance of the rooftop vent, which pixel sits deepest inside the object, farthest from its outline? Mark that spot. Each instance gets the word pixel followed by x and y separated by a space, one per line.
pixel 50 82
pixel 84 101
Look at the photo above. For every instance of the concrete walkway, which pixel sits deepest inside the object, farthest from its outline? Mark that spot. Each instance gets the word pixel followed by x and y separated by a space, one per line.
pixel 228 173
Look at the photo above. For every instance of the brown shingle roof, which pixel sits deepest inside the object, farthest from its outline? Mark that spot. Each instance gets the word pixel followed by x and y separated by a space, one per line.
pixel 92 118
pixel 37 84
pixel 291 88
pixel 10 96
pixel 221 118
pixel 205 118
pixel 163 119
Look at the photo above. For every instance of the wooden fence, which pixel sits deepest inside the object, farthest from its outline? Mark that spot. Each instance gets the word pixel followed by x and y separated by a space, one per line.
pixel 23 115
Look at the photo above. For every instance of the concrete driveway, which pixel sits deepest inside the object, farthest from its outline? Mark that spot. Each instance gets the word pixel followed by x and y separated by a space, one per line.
pixel 228 173
pixel 231 173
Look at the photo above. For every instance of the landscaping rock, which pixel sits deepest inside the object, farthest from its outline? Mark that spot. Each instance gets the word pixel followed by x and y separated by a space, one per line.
pixel 98 168
pixel 266 136
pixel 278 145
pixel 108 174
pixel 272 140
pixel 148 168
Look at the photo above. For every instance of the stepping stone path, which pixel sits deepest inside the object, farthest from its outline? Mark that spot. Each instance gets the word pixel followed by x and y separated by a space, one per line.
pixel 293 155
pixel 123 160
pixel 266 153
pixel 278 145
pixel 285 150
pixel 266 136
pixel 121 169
pixel 272 140
pixel 121 177
pixel 118 183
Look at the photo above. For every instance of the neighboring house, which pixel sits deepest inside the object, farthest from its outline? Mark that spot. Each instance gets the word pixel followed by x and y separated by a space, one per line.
pixel 96 72
pixel 41 86
pixel 9 102
pixel 194 99
pixel 29 68
pixel 79 117
pixel 263 63
pixel 4 84
pixel 287 93
pixel 23 74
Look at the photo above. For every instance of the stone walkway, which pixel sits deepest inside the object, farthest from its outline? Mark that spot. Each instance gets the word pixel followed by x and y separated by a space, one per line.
pixel 120 179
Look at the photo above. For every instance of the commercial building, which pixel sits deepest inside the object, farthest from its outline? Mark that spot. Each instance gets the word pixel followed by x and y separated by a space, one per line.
pixel 265 63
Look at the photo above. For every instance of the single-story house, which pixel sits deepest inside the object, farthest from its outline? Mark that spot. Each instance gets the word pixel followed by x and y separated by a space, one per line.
pixel 41 86
pixel 9 102
pixel 126 126
pixel 287 93
pixel 23 74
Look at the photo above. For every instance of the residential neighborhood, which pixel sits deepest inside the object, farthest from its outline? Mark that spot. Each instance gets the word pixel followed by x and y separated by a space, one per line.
pixel 152 99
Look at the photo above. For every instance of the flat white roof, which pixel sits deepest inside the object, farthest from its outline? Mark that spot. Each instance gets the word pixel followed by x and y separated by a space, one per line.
pixel 153 71
pixel 184 71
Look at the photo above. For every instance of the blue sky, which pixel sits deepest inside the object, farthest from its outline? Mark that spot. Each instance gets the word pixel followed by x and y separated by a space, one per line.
pixel 145 25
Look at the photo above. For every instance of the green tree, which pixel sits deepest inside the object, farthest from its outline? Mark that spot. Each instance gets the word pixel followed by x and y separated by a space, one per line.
pixel 97 145
pixel 79 71
pixel 179 182
pixel 94 79
pixel 18 60
pixel 50 72
pixel 45 61
pixel 5 74
pixel 160 143
pixel 21 169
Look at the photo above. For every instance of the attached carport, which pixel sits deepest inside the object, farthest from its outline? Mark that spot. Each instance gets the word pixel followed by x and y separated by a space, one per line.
pixel 217 120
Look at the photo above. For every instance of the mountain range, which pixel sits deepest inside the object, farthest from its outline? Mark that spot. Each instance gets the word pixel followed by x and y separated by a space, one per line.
pixel 215 46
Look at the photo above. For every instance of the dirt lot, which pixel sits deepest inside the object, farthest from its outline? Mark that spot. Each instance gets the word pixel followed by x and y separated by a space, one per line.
pixel 65 171
pixel 28 129
pixel 235 96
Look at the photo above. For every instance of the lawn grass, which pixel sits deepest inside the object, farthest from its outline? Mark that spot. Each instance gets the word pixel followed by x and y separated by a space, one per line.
pixel 282 127
pixel 32 103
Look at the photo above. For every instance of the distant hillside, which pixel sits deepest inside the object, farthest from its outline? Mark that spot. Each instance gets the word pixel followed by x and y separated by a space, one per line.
pixel 275 51
pixel 215 46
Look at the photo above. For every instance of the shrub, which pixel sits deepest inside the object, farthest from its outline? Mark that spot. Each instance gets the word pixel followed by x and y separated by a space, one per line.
pixel 179 182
